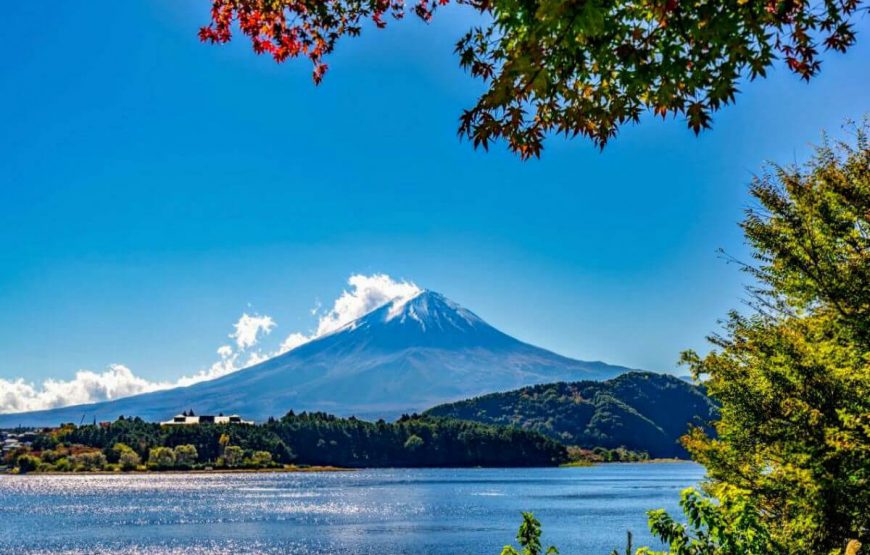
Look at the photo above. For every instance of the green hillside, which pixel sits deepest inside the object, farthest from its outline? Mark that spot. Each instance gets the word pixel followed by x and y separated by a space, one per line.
pixel 642 411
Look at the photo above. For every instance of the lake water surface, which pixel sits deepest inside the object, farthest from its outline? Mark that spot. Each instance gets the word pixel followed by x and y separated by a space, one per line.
pixel 419 512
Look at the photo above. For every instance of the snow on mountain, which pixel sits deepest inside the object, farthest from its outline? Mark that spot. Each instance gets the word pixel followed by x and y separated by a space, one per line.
pixel 404 356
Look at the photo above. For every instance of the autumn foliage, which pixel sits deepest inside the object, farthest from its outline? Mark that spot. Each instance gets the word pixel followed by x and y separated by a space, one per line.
pixel 578 67
pixel 289 29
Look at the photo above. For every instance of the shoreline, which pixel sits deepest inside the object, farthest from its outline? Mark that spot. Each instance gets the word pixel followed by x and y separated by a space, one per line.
pixel 287 469
pixel 292 469
pixel 587 464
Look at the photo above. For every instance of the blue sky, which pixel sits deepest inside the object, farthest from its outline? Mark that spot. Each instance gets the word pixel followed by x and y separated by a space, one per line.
pixel 153 189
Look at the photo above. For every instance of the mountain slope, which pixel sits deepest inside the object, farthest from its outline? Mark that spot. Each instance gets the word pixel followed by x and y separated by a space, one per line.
pixel 401 357
pixel 642 411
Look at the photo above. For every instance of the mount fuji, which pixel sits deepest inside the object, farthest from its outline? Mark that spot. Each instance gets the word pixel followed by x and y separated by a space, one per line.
pixel 404 356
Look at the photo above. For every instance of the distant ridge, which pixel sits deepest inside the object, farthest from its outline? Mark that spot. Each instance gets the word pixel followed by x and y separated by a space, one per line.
pixel 404 356
pixel 641 411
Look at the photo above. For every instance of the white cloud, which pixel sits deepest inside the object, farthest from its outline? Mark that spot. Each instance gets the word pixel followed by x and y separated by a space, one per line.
pixel 316 308
pixel 248 329
pixel 119 381
pixel 257 357
pixel 87 387
pixel 292 341
pixel 227 364
pixel 365 294
pixel 116 382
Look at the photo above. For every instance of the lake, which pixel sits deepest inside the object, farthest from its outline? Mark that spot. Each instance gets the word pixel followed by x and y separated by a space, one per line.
pixel 368 512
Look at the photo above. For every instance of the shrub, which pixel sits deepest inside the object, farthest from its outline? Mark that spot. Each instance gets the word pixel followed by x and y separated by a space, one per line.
pixel 88 461
pixel 161 458
pixel 62 465
pixel 127 458
pixel 727 526
pixel 233 456
pixel 185 456
pixel 262 459
pixel 529 538
pixel 27 463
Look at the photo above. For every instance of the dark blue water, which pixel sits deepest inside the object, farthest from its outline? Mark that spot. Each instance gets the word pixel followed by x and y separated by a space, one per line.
pixel 419 512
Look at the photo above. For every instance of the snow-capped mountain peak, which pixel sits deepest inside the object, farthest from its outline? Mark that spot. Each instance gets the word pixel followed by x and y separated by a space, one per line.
pixel 431 309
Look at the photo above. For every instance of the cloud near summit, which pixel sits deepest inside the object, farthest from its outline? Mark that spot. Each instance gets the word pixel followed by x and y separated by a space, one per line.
pixel 364 294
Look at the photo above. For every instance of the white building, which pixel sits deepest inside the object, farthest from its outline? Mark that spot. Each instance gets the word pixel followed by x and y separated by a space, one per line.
pixel 189 420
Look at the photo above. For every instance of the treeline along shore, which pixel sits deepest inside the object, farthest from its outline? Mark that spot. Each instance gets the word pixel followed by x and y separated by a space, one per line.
pixel 315 439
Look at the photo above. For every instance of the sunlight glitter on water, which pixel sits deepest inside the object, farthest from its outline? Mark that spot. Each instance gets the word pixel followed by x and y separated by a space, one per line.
pixel 367 512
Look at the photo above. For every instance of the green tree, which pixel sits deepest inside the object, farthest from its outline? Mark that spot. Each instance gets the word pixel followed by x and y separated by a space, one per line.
pixel 262 459
pixel 233 456
pixel 161 458
pixel 127 458
pixel 586 68
pixel 62 465
pixel 88 461
pixel 26 463
pixel 793 377
pixel 414 442
pixel 185 456
pixel 529 538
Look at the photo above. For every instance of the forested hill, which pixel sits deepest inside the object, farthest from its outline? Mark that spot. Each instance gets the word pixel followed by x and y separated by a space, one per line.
pixel 323 439
pixel 642 411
